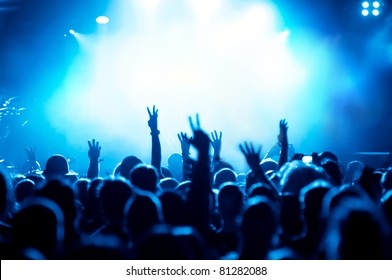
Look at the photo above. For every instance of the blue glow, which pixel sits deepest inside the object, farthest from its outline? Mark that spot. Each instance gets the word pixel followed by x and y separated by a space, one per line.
pixel 375 12
pixel 183 66
pixel 365 13
pixel 365 4
pixel 376 4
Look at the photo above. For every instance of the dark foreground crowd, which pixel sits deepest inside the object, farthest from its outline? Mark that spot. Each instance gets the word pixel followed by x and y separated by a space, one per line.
pixel 288 206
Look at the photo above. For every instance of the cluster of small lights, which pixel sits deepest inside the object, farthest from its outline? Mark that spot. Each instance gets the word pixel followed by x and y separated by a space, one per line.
pixel 374 7
pixel 99 20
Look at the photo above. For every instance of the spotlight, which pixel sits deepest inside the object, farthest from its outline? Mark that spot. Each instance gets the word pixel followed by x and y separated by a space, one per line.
pixel 365 13
pixel 71 31
pixel 286 33
pixel 365 5
pixel 375 12
pixel 376 4
pixel 102 20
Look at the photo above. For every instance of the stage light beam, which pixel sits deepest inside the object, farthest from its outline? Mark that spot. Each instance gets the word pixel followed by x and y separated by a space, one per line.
pixel 365 5
pixel 375 12
pixel 376 4
pixel 365 13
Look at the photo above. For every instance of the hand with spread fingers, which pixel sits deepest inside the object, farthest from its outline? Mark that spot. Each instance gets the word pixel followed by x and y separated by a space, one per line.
pixel 153 120
pixel 185 144
pixel 94 150
pixel 216 143
pixel 252 155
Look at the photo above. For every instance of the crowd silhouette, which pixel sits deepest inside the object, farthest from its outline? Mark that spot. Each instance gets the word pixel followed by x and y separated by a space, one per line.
pixel 288 206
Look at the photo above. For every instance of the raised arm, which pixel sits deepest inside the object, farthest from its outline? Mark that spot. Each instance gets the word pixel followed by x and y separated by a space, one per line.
pixel 32 163
pixel 216 143
pixel 252 157
pixel 186 161
pixel 198 199
pixel 283 142
pixel 156 153
pixel 94 152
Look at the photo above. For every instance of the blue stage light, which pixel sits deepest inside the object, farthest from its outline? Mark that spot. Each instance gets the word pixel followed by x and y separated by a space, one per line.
pixel 365 4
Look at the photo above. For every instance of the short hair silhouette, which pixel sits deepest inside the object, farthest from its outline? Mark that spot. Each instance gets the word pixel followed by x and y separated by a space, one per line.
pixel 24 189
pixel 224 175
pixel 145 177
pixel 39 224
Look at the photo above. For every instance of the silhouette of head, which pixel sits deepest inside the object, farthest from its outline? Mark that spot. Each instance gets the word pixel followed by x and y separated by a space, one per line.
pixel 168 183
pixel 183 188
pixel 311 200
pixel 230 200
pixel 224 175
pixel 113 195
pixel 299 175
pixel 357 230
pixel 142 211
pixel 269 165
pixel 56 165
pixel 127 165
pixel 353 171
pixel 39 224
pixel 24 189
pixel 80 188
pixel 174 164
pixel 334 197
pixel 173 207
pixel 145 177
pixel 328 155
pixel 93 208
pixel 370 182
pixel 260 228
pixel 63 195
pixel 220 165
pixel 333 170
pixel 265 190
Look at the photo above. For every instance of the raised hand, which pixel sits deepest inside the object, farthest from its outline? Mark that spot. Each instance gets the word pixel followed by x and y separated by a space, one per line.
pixel 282 136
pixel 185 144
pixel 252 155
pixel 32 164
pixel 94 150
pixel 30 153
pixel 153 121
pixel 216 143
pixel 200 140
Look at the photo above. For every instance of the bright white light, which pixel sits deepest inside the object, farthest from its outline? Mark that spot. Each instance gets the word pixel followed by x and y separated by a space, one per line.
pixel 182 70
pixel 71 31
pixel 205 9
pixel 365 13
pixel 376 4
pixel 375 12
pixel 102 20
pixel 365 4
